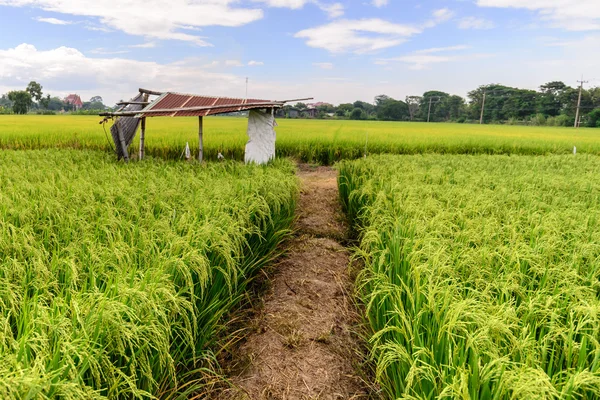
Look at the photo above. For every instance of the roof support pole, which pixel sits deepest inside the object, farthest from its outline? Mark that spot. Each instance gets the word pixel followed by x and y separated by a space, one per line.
pixel 141 153
pixel 122 140
pixel 142 139
pixel 200 138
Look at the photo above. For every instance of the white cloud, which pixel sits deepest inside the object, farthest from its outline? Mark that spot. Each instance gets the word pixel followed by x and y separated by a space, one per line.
pixel 579 15
pixel 380 3
pixel 147 45
pixel 149 18
pixel 443 14
pixel 213 64
pixel 358 36
pixel 366 35
pixel 439 16
pixel 53 21
pixel 233 63
pixel 443 49
pixel 104 51
pixel 66 70
pixel 424 59
pixel 323 65
pixel 475 23
pixel 333 10
pixel 255 63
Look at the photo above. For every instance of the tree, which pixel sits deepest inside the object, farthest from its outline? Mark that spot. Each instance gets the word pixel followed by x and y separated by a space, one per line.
pixel 343 110
pixel 96 99
pixel 357 114
pixel 45 102
pixel 392 110
pixel 381 99
pixel 593 119
pixel 549 101
pixel 56 104
pixel 21 100
pixel 366 107
pixel 413 102
pixel 5 101
pixel 93 105
pixel 434 98
pixel 301 106
pixel 35 90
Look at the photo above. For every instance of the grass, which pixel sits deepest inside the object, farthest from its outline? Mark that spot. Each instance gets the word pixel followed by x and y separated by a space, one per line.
pixel 319 141
pixel 116 280
pixel 482 273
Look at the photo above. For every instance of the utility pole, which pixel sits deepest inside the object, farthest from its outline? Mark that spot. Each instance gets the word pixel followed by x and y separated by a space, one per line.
pixel 579 101
pixel 246 88
pixel 429 112
pixel 482 108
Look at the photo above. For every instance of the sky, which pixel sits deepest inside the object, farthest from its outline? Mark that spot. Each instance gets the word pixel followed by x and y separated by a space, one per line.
pixel 335 51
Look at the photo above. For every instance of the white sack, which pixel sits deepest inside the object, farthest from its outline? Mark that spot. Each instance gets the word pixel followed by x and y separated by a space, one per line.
pixel 261 133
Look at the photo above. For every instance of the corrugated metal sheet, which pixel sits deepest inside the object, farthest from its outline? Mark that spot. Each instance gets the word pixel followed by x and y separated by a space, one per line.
pixel 173 101
pixel 129 126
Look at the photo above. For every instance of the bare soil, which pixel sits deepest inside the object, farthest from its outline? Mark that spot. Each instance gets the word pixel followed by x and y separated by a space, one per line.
pixel 303 345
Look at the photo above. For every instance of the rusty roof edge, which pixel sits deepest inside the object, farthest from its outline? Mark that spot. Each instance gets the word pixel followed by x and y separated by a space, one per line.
pixel 248 106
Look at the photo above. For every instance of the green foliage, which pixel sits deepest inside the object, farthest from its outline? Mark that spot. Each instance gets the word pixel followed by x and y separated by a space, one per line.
pixel 116 280
pixel 593 118
pixel 358 114
pixel 388 109
pixel 481 273
pixel 344 110
pixel 21 100
pixel 35 90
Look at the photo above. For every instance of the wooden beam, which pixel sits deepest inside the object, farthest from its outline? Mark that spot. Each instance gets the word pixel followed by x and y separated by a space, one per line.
pixel 152 92
pixel 200 138
pixel 126 103
pixel 122 140
pixel 204 108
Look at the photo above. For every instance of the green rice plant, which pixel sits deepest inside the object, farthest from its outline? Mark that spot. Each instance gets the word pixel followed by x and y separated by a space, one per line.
pixel 482 273
pixel 315 141
pixel 116 279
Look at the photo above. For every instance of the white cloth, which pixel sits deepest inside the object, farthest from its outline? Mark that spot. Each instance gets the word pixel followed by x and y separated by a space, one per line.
pixel 260 148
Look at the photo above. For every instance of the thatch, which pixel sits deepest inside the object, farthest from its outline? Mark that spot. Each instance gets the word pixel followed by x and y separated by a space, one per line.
pixel 128 125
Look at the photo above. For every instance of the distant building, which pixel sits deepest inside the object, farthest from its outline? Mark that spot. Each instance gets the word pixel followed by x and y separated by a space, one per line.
pixel 312 109
pixel 319 104
pixel 74 100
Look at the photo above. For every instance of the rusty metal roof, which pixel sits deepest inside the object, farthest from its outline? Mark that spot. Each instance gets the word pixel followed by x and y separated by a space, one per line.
pixel 176 101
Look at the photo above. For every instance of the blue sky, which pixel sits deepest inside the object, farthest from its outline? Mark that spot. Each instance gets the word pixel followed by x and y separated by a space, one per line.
pixel 337 51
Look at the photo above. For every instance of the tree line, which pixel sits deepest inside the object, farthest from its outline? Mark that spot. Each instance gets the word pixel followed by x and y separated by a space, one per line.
pixel 554 103
pixel 32 99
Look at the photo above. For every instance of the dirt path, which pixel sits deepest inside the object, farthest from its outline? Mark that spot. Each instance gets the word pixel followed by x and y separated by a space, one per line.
pixel 303 347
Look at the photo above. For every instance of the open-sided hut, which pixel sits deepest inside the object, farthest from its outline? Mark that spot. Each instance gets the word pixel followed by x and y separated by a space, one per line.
pixel 133 113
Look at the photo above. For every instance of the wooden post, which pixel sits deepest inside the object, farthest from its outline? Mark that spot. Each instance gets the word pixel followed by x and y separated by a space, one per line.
pixel 122 140
pixel 142 138
pixel 201 144
pixel 143 133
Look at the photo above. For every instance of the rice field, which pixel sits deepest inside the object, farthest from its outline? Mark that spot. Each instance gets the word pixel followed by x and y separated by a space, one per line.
pixel 318 141
pixel 481 247
pixel 116 280
pixel 481 276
